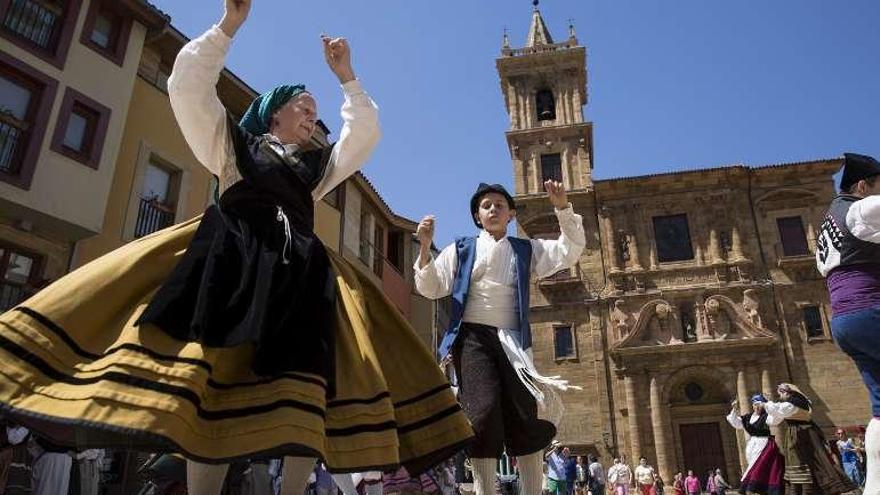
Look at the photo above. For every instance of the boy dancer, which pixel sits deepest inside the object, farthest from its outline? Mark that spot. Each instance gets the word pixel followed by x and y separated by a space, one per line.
pixel 489 337
pixel 848 255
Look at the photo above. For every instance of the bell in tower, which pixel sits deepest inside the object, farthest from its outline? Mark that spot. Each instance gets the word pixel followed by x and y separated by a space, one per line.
pixel 545 105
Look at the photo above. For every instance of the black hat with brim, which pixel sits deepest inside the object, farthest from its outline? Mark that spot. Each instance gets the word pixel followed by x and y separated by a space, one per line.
pixel 857 167
pixel 484 189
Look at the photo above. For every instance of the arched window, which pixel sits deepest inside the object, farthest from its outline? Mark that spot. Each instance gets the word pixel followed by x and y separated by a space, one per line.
pixel 545 104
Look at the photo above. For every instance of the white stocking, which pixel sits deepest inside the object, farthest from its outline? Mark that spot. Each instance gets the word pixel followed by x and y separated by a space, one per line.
pixel 484 476
pixel 205 479
pixel 872 453
pixel 345 483
pixel 295 474
pixel 531 471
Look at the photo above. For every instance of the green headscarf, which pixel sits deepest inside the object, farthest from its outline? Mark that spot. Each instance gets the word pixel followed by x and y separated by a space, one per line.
pixel 258 116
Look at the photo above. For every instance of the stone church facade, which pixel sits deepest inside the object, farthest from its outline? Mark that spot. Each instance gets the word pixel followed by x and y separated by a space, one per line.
pixel 696 288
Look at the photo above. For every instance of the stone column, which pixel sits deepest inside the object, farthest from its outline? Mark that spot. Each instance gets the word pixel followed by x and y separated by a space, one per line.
pixel 767 383
pixel 520 108
pixel 660 425
pixel 564 106
pixel 767 388
pixel 530 107
pixel 634 258
pixel 714 245
pixel 569 100
pixel 648 229
pixel 736 247
pixel 633 220
pixel 742 395
pixel 574 176
pixel 610 239
pixel 522 168
pixel 535 160
pixel 632 407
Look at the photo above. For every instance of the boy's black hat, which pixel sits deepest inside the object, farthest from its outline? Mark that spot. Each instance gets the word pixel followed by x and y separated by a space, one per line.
pixel 483 189
pixel 856 168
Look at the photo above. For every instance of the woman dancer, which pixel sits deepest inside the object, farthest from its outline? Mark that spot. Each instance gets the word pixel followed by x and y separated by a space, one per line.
pixel 808 465
pixel 766 465
pixel 225 337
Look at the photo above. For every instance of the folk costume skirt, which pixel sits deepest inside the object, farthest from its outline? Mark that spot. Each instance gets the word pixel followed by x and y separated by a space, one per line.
pixel 808 460
pixel 765 475
pixel 80 372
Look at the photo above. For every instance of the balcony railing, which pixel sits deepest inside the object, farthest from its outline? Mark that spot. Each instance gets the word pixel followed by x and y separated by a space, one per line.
pixel 11 137
pixel 152 216
pixel 34 20
pixel 531 50
pixel 564 276
pixel 10 295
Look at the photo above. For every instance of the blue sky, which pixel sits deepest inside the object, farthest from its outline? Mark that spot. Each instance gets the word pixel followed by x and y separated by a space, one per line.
pixel 673 84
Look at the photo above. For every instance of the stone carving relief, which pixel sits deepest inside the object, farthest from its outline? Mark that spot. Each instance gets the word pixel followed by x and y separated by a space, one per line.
pixel 734 320
pixel 662 325
pixel 716 317
pixel 751 304
pixel 620 320
pixel 656 324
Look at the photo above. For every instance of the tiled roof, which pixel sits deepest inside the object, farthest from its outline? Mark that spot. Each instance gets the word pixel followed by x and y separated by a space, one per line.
pixel 394 216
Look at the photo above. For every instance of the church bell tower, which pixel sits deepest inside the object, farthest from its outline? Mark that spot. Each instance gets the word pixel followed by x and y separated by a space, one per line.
pixel 544 85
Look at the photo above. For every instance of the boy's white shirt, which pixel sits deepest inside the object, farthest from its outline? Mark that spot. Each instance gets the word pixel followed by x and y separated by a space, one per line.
pixel 492 294
pixel 492 297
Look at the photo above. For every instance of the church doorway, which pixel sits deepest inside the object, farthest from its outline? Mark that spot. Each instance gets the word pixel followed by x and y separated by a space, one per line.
pixel 702 448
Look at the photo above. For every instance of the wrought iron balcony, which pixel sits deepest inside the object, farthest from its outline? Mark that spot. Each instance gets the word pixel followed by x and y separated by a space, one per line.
pixel 152 216
pixel 34 20
pixel 11 139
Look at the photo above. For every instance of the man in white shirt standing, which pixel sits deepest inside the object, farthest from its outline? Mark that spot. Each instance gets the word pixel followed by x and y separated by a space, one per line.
pixel 489 337
pixel 645 477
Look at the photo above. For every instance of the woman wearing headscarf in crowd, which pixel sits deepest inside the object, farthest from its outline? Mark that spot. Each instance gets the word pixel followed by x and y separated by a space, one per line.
pixel 808 464
pixel 221 338
pixel 766 465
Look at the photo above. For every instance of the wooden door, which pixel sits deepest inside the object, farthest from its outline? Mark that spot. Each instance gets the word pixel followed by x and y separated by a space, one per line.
pixel 703 449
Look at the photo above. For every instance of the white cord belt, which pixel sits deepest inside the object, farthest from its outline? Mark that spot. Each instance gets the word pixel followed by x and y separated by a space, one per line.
pixel 282 217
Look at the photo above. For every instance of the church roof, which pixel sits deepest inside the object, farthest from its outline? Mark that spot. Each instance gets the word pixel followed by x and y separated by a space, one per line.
pixel 739 166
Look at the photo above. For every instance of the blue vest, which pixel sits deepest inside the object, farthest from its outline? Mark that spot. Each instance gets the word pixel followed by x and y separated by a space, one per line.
pixel 466 251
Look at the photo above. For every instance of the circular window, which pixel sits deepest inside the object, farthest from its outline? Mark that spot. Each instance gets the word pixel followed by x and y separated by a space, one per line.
pixel 693 392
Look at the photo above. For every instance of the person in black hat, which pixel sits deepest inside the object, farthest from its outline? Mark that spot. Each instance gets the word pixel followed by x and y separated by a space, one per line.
pixel 848 255
pixel 489 338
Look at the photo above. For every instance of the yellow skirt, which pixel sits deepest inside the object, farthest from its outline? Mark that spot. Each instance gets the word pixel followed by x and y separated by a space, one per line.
pixel 77 370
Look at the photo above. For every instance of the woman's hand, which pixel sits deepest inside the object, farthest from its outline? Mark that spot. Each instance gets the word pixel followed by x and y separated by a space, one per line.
pixel 338 56
pixel 234 16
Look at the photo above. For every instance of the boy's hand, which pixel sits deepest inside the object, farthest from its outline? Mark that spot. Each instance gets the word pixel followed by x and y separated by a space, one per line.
pixel 338 56
pixel 556 191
